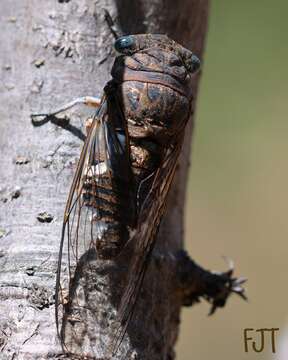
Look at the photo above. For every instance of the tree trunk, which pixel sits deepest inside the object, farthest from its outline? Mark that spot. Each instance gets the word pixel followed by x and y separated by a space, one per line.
pixel 52 54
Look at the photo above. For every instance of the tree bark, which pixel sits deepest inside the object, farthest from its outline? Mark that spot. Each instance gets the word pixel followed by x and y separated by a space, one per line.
pixel 52 54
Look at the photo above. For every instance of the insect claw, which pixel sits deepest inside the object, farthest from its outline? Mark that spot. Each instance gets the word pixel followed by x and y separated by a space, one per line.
pixel 39 119
pixel 39 114
pixel 32 116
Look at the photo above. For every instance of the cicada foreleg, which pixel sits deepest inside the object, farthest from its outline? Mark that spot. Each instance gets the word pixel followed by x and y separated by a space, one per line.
pixel 90 101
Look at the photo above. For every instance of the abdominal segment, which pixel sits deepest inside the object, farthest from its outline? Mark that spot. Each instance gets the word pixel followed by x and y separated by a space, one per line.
pixel 110 219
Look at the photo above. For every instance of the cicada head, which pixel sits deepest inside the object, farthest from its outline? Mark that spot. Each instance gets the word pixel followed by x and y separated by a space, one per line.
pixel 152 44
pixel 153 76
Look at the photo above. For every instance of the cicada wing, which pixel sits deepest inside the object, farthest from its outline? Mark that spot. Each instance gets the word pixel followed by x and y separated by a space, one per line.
pixel 150 215
pixel 105 150
pixel 73 227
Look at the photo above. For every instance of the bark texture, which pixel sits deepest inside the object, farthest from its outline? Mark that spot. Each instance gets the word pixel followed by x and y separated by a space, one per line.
pixel 52 52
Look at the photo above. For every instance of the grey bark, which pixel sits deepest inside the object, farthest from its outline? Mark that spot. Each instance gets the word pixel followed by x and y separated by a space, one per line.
pixel 52 52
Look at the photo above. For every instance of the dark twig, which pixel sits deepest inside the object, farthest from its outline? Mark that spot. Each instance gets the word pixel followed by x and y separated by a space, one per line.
pixel 215 287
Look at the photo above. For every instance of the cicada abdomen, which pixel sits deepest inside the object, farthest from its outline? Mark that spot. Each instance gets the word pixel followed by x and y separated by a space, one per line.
pixel 119 191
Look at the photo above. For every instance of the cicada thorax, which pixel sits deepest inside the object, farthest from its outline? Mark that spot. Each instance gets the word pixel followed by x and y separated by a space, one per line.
pixel 154 90
pixel 154 111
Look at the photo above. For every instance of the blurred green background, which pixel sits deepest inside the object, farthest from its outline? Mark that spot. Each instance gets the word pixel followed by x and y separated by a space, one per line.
pixel 237 201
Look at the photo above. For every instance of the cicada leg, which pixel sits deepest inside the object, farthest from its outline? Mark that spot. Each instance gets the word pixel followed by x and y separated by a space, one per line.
pixel 90 101
pixel 112 26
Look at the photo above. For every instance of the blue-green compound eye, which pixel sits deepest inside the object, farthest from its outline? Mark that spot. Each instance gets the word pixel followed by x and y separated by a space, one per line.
pixel 124 44
pixel 196 63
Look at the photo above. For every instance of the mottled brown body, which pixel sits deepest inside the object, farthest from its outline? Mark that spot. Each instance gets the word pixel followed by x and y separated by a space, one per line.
pixel 156 117
pixel 124 173
pixel 151 90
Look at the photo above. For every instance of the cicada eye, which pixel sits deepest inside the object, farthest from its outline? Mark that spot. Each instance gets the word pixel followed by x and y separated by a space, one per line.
pixel 195 63
pixel 124 44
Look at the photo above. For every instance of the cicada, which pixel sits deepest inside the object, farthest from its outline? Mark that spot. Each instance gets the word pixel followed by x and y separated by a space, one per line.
pixel 126 168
